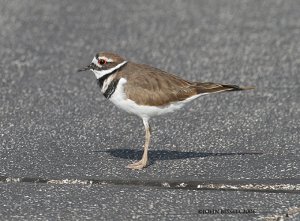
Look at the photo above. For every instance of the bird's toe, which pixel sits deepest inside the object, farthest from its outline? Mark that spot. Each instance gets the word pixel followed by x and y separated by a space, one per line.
pixel 137 165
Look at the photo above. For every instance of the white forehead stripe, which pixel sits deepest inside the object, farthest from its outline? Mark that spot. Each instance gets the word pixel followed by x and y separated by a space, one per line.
pixel 95 61
pixel 100 74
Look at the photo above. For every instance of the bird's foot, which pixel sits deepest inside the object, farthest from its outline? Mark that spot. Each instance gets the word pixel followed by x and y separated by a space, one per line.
pixel 137 165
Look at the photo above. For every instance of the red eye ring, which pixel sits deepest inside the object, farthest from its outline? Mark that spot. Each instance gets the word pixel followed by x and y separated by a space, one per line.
pixel 101 61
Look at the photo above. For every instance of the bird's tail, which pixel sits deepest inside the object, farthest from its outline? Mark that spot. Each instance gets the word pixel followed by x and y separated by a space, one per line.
pixel 208 87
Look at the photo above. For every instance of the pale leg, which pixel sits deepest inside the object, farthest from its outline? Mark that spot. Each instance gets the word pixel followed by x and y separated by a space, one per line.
pixel 143 162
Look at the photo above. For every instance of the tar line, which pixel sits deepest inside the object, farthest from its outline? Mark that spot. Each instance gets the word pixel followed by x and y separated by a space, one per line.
pixel 275 186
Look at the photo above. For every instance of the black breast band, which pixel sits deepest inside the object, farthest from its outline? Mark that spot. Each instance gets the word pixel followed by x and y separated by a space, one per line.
pixel 111 88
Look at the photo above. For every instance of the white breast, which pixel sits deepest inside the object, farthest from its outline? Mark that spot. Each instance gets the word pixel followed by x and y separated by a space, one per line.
pixel 119 99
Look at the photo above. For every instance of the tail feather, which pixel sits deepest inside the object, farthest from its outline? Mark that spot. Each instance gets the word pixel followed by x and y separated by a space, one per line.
pixel 236 88
pixel 209 87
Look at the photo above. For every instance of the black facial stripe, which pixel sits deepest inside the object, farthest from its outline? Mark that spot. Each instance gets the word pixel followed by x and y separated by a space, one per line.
pixel 107 67
pixel 111 88
pixel 95 67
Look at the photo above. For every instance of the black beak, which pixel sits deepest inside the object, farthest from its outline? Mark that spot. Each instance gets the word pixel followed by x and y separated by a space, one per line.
pixel 89 67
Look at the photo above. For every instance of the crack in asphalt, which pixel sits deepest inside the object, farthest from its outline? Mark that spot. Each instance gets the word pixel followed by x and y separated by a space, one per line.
pixel 276 185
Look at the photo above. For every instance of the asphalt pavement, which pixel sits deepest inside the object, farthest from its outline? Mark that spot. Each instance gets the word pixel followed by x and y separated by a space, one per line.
pixel 64 148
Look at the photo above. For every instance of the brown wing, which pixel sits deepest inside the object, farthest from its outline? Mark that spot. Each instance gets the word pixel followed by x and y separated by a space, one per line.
pixel 208 87
pixel 150 86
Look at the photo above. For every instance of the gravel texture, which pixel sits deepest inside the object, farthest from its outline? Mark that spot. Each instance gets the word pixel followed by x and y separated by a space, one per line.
pixel 60 202
pixel 55 124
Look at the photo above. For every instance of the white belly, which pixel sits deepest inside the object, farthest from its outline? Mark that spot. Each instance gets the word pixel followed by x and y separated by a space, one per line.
pixel 119 99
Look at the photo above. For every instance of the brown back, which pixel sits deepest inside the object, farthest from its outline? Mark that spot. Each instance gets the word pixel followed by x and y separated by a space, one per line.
pixel 150 86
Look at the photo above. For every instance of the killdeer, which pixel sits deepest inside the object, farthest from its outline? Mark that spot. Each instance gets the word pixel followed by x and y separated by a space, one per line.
pixel 146 91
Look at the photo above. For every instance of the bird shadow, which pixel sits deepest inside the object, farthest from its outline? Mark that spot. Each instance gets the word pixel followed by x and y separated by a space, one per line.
pixel 155 155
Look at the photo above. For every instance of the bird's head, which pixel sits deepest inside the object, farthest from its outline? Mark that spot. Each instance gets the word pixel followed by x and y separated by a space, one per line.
pixel 104 63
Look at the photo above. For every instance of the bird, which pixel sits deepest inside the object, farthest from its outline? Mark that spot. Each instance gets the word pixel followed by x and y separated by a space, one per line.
pixel 146 91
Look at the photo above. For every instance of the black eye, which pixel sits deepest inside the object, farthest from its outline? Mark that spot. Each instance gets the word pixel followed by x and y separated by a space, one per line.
pixel 101 61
